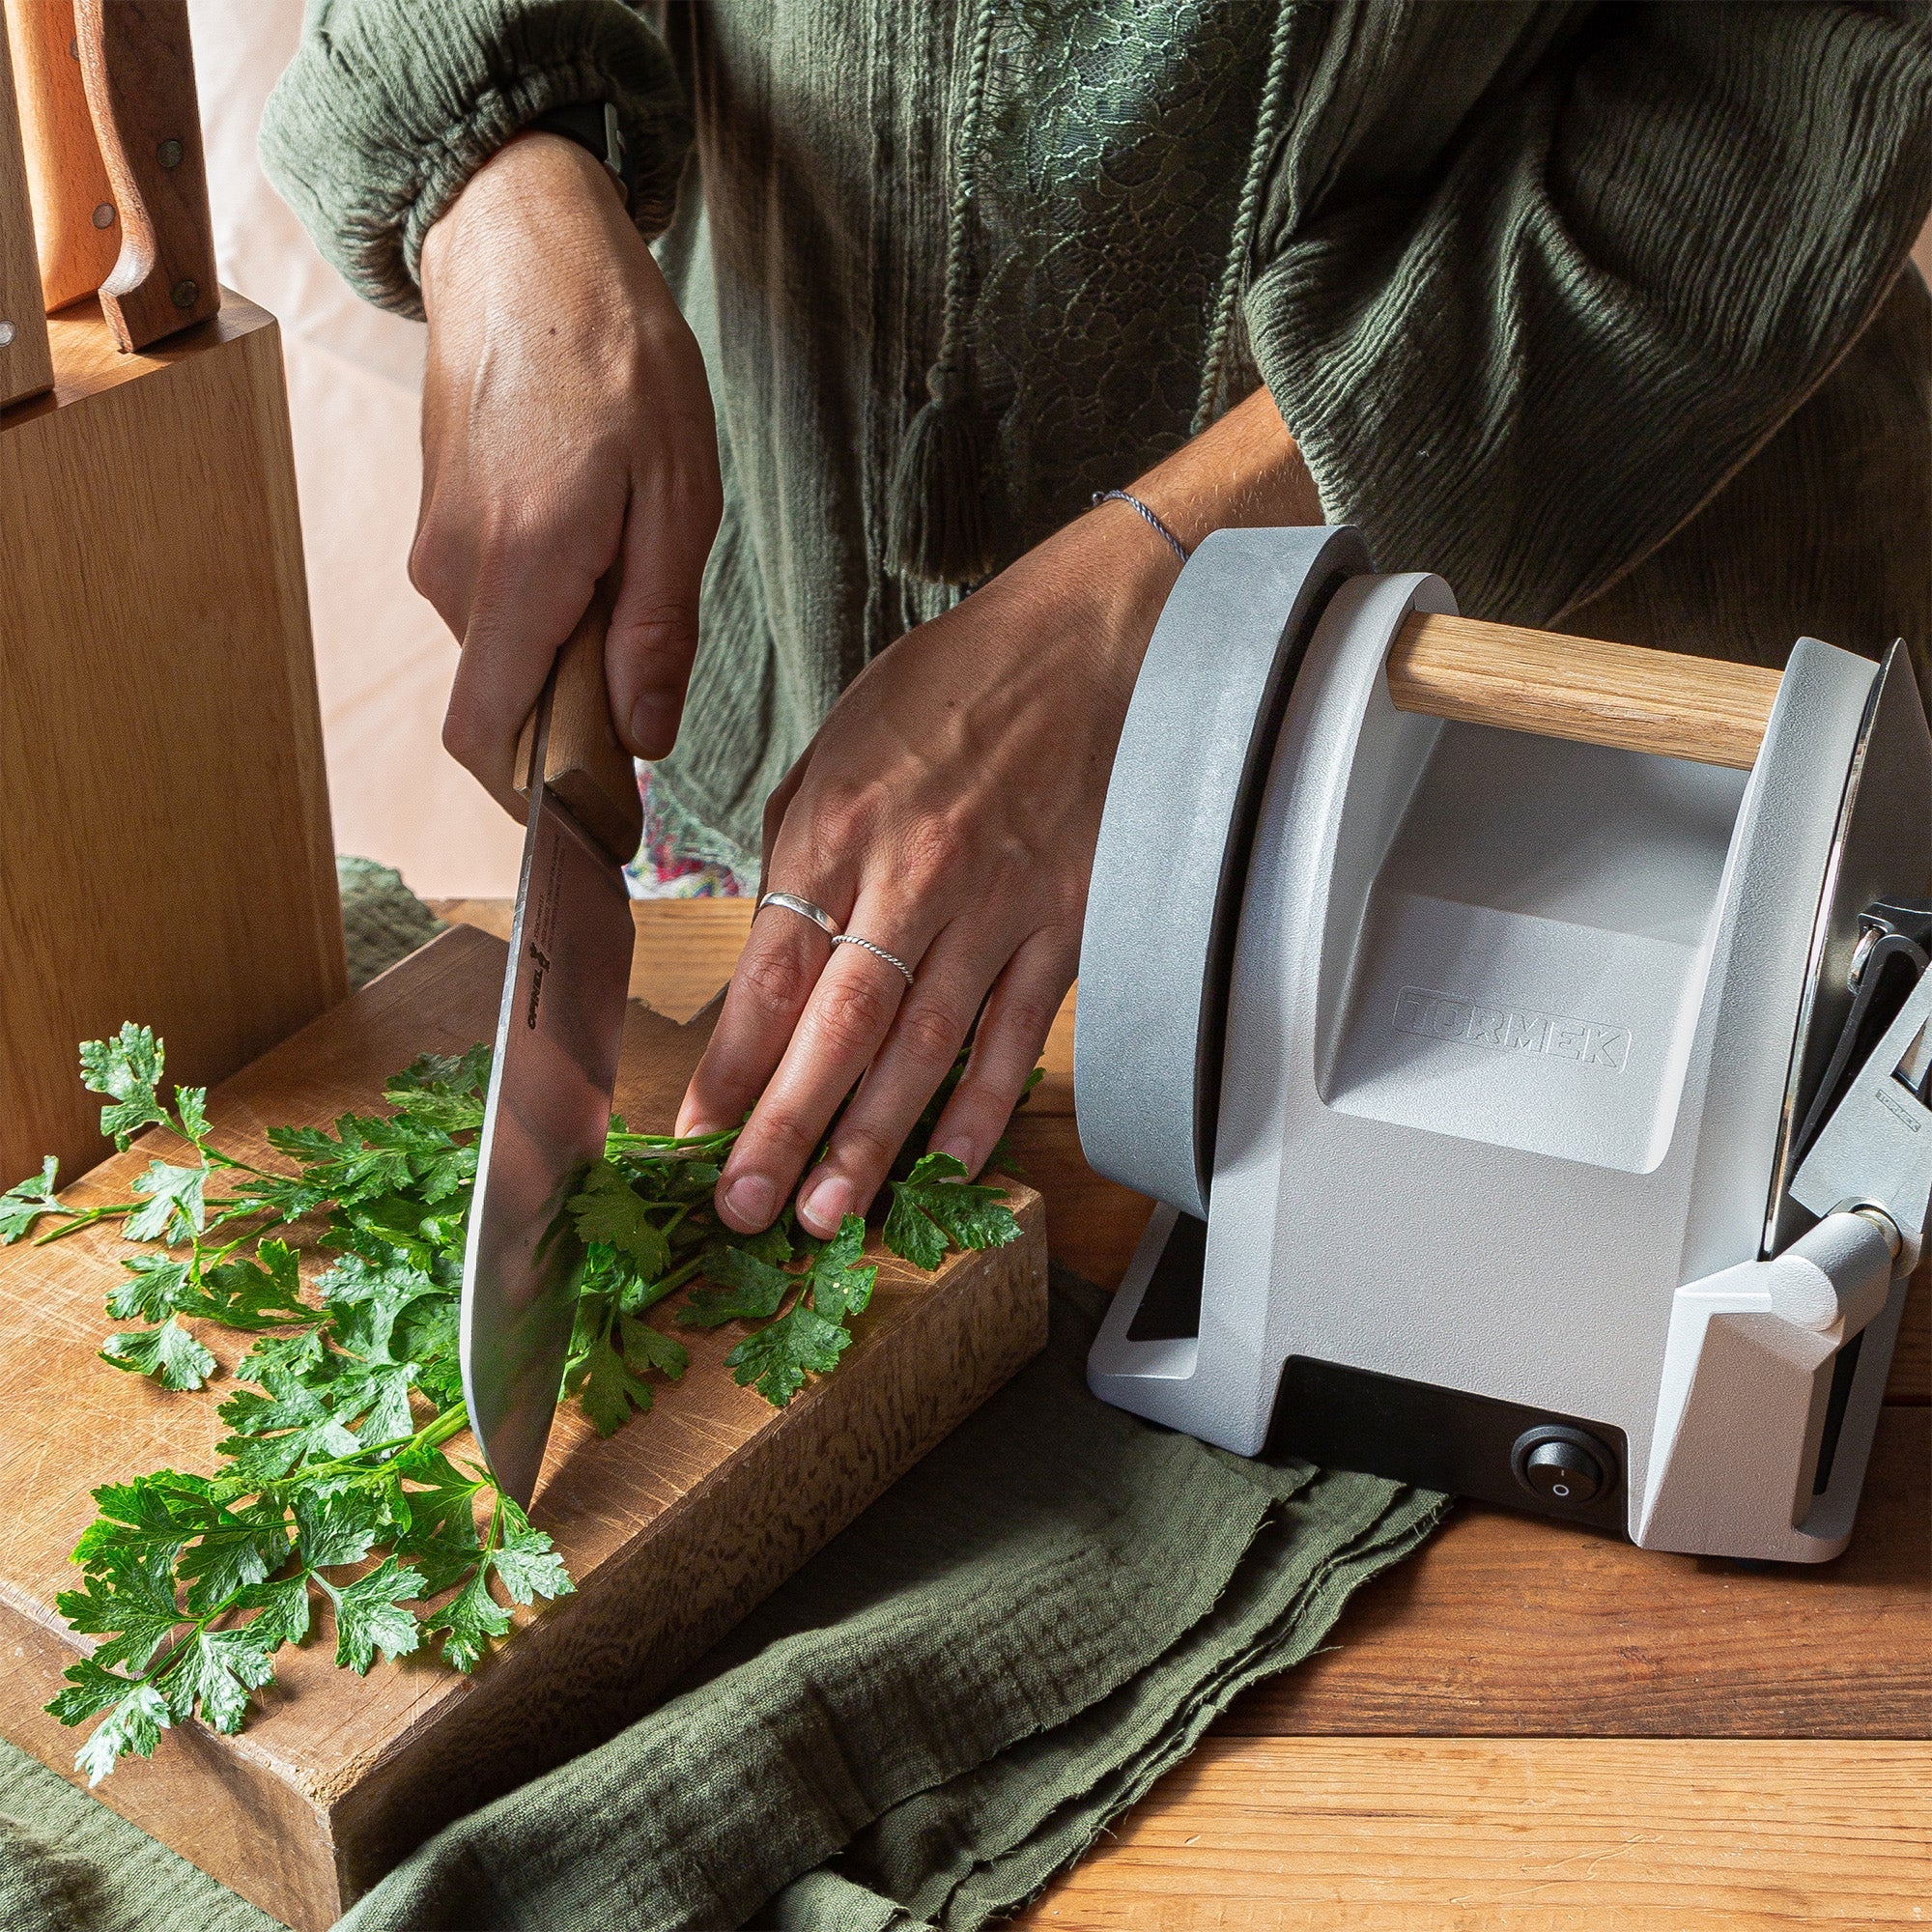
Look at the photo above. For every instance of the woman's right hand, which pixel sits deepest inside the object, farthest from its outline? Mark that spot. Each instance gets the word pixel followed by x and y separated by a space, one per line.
pixel 566 426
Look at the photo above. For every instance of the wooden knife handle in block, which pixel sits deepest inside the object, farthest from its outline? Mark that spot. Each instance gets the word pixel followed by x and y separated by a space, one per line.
pixel 1581 688
pixel 77 226
pixel 139 71
pixel 586 766
pixel 26 365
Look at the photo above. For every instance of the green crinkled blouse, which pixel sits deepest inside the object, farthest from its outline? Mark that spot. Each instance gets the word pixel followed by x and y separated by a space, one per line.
pixel 1597 310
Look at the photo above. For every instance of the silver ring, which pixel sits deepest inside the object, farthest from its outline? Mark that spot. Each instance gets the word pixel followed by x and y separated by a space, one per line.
pixel 791 902
pixel 877 951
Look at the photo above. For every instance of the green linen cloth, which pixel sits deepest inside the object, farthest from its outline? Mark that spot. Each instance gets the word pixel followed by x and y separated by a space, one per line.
pixel 1545 291
pixel 382 920
pixel 937 1712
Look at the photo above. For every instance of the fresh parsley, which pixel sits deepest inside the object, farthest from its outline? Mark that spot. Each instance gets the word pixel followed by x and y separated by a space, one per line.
pixel 334 1490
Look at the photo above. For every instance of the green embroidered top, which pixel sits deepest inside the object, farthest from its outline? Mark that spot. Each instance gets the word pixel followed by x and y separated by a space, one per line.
pixel 1594 309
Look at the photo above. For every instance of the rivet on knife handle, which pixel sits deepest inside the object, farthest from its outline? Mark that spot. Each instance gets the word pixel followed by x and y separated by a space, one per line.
pixel 139 71
pixel 587 768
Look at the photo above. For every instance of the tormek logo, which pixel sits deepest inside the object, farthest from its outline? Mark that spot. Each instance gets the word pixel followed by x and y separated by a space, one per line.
pixel 1500 1029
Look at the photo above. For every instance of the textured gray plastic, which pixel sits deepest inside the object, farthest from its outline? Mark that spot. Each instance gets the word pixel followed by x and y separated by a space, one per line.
pixel 1173 852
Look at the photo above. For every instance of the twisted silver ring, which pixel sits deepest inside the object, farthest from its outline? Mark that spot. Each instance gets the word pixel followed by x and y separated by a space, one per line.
pixel 791 902
pixel 877 951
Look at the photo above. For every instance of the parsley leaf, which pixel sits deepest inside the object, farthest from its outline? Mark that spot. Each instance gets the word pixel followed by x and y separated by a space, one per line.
pixel 607 1385
pixel 168 1352
pixel 775 1358
pixel 369 1616
pixel 469 1622
pixel 840 1286
pixel 128 1071
pixel 527 1561
pixel 214 1674
pixel 745 1289
pixel 156 1287
pixel 264 1292
pixel 935 1206
pixel 22 1205
pixel 174 1210
pixel 607 1209
pixel 136 1724
pixel 647 1347
pixel 337 1527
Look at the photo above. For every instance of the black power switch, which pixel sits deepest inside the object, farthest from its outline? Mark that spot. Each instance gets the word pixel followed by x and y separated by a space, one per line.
pixel 1561 1466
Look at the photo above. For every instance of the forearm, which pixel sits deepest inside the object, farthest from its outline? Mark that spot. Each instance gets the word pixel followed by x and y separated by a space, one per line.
pixel 1244 472
pixel 1627 272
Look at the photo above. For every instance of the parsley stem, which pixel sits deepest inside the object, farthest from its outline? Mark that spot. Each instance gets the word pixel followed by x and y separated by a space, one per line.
pixel 447 1422
pixel 84 1217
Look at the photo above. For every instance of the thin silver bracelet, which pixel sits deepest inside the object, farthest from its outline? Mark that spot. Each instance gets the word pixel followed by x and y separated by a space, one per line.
pixel 1146 516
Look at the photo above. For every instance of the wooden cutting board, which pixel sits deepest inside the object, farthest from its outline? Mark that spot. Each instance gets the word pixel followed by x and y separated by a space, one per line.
pixel 673 1528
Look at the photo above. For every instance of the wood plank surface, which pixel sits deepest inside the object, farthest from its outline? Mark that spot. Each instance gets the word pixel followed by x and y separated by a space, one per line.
pixel 672 1528
pixel 1509 1626
pixel 1317 1834
pixel 26 365
pixel 77 226
pixel 1583 689
pixel 166 845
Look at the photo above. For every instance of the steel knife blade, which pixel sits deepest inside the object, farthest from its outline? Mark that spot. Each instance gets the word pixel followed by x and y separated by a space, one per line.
pixel 558 1032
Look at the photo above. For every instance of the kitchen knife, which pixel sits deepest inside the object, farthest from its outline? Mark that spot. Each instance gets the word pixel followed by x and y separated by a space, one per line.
pixel 558 1034
pixel 138 70
pixel 77 226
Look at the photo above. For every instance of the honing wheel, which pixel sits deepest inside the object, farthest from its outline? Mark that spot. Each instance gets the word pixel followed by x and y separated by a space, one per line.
pixel 1523 1035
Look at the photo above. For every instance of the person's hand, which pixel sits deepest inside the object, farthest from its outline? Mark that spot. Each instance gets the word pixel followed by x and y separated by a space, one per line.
pixel 567 426
pixel 948 812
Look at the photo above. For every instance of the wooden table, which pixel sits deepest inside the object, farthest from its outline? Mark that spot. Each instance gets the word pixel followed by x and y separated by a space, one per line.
pixel 1527 1727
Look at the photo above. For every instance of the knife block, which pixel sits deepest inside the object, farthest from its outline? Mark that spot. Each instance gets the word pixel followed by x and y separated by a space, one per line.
pixel 164 839
pixel 165 853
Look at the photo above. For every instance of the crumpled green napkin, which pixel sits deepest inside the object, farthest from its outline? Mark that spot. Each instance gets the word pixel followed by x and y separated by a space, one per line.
pixel 949 1702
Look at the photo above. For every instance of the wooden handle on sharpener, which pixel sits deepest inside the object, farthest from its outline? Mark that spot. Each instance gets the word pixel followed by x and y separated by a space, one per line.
pixel 138 66
pixel 1583 690
pixel 586 765
pixel 77 226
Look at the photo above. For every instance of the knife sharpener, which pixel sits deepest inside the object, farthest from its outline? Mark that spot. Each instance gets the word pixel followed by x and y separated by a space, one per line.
pixel 1535 1103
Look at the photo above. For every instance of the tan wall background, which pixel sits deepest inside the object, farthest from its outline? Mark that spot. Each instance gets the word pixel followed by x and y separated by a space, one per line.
pixel 354 374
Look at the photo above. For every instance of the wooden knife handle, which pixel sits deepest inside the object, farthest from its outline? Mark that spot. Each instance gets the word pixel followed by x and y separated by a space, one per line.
pixel 139 72
pixel 77 225
pixel 27 367
pixel 1581 688
pixel 586 766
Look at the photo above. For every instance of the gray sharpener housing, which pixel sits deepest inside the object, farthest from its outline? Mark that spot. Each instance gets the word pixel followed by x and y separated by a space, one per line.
pixel 1508 1023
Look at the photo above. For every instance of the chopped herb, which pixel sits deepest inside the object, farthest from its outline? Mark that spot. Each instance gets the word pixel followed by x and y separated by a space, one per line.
pixel 334 1486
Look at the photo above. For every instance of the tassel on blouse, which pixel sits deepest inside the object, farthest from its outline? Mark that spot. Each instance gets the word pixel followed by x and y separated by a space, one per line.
pixel 945 521
pixel 947 498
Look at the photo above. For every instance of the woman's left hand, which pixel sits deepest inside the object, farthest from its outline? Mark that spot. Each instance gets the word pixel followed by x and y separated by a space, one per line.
pixel 948 812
